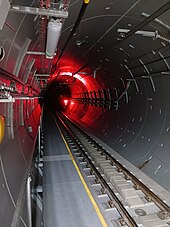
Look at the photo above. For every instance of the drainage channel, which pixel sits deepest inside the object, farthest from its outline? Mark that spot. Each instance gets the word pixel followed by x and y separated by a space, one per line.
pixel 123 199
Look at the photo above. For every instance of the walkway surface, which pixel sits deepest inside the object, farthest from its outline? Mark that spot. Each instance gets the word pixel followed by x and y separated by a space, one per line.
pixel 65 201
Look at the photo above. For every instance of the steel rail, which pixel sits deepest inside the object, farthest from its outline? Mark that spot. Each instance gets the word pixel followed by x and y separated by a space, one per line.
pixel 151 195
pixel 127 218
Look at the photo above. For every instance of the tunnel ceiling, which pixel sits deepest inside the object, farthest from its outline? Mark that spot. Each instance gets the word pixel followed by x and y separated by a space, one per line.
pixel 98 43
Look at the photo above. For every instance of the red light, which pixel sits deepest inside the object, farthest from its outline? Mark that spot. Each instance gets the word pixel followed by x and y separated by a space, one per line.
pixel 65 102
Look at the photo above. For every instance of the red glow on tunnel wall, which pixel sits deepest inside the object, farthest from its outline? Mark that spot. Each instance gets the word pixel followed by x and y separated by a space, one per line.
pixel 79 111
pixel 77 76
pixel 79 83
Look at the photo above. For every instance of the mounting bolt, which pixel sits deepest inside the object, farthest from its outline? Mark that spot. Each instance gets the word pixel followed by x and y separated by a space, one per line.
pixel 111 203
pixel 122 221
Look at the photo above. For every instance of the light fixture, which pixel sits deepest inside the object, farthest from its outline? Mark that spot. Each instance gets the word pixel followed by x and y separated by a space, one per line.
pixel 53 35
pixel 77 76
pixel 65 102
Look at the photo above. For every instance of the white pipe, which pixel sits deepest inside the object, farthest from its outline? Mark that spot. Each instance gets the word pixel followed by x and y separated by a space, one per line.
pixel 39 143
pixel 29 201
pixel 53 35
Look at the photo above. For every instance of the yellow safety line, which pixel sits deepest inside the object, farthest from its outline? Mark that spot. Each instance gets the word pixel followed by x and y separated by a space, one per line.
pixel 83 182
pixel 2 128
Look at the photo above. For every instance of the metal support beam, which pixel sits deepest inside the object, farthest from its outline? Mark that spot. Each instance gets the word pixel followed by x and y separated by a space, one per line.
pixel 39 11
pixel 32 79
pixel 28 70
pixel 21 56
pixel 164 60
pixel 12 99
pixel 7 100
pixel 39 143
pixel 143 33
pixel 38 189
pixel 158 21
pixel 41 75
pixel 149 19
pixel 26 97
pixel 29 201
pixel 36 53
pixel 42 79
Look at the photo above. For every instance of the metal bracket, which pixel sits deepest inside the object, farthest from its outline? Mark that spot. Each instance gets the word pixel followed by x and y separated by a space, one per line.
pixel 41 75
pixel 143 33
pixel 130 72
pixel 36 53
pixel 153 35
pixel 165 61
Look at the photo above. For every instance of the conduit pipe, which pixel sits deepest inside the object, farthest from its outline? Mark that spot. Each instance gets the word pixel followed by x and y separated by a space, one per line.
pixel 11 76
pixel 156 14
pixel 78 21
pixel 29 201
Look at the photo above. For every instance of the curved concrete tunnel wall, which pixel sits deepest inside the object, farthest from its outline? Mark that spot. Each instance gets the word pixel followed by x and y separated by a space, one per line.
pixel 22 117
pixel 139 129
pixel 16 151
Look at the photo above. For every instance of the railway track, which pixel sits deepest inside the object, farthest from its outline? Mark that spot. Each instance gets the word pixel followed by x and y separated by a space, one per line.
pixel 122 198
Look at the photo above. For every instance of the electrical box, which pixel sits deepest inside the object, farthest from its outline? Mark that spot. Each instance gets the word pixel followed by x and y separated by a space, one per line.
pixel 4 9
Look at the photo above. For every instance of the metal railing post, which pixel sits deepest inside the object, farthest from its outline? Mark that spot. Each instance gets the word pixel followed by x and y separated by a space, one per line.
pixel 29 207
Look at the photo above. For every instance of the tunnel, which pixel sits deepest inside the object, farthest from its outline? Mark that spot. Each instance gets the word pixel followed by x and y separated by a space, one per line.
pixel 108 74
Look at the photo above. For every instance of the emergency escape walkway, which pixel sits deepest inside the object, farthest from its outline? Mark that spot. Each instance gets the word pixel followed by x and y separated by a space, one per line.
pixel 65 200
